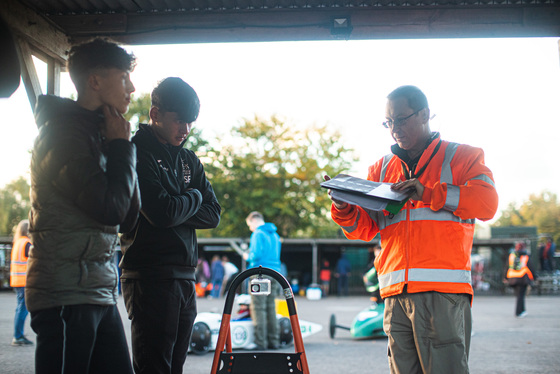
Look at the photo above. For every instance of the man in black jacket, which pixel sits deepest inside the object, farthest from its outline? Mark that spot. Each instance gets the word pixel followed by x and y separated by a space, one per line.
pixel 159 266
pixel 83 190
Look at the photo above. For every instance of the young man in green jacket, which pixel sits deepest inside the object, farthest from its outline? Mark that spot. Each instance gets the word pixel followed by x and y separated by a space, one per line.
pixel 84 191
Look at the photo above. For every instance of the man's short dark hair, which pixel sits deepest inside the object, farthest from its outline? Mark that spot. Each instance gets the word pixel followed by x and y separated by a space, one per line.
pixel 175 95
pixel 97 54
pixel 413 95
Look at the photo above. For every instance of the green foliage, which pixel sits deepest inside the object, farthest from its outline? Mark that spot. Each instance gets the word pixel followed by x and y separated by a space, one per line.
pixel 139 110
pixel 266 165
pixel 276 168
pixel 14 205
pixel 541 210
pixel 269 166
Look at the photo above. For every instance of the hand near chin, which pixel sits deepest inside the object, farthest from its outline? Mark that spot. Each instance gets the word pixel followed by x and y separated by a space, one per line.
pixel 116 126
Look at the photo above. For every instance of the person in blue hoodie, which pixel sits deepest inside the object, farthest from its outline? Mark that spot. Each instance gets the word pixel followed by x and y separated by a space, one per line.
pixel 264 250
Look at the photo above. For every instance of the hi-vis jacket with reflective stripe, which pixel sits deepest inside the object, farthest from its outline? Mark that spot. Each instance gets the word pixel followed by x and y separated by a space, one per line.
pixel 18 266
pixel 518 269
pixel 427 245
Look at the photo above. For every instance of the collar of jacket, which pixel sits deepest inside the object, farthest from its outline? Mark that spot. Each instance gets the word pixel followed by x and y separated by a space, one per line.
pixel 145 135
pixel 50 107
pixel 403 154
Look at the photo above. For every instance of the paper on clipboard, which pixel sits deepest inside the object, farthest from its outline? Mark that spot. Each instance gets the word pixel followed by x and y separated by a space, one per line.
pixel 365 188
pixel 384 191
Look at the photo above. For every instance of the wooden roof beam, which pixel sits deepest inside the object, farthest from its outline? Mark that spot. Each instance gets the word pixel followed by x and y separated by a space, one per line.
pixel 41 34
pixel 28 72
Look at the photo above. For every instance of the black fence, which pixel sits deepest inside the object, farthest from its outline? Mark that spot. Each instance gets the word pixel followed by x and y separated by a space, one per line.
pixel 302 258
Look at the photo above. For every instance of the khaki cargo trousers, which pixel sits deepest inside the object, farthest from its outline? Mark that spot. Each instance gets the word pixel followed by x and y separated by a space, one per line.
pixel 428 332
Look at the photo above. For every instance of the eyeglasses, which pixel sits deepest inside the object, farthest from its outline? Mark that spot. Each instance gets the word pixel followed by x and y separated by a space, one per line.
pixel 399 121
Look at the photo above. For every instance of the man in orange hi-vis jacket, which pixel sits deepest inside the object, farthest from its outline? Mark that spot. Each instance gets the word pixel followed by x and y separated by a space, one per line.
pixel 424 267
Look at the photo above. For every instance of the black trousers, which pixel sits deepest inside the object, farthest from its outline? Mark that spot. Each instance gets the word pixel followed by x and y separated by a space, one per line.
pixel 520 291
pixel 162 313
pixel 86 339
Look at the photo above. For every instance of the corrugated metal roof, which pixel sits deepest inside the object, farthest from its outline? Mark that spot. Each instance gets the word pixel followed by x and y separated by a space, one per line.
pixel 73 7
pixel 201 21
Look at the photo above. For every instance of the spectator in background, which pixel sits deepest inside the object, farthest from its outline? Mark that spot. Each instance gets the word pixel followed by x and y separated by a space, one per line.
pixel 546 255
pixel 18 271
pixel 203 273
pixel 218 273
pixel 325 277
pixel 118 258
pixel 520 275
pixel 342 274
pixel 230 272
pixel 264 250
pixel 203 277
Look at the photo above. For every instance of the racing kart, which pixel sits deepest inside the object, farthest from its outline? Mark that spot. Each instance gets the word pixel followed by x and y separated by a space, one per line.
pixel 206 329
pixel 367 324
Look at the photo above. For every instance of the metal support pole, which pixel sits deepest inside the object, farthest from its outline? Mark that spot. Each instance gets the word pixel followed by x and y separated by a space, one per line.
pixel 314 253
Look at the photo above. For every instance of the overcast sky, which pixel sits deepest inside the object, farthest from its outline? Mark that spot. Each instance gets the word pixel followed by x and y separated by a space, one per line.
pixel 502 95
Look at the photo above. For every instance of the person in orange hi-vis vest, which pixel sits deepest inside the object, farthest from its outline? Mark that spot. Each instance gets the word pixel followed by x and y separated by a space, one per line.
pixel 520 275
pixel 18 271
pixel 424 266
pixel 325 277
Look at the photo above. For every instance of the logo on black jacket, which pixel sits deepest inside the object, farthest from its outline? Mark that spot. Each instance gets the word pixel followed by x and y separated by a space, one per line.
pixel 186 172
pixel 162 166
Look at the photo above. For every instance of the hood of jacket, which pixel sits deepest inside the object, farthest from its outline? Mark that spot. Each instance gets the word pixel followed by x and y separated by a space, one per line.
pixel 145 138
pixel 268 227
pixel 50 108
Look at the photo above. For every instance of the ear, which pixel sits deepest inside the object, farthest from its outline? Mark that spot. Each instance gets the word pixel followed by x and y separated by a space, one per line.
pixel 154 113
pixel 425 114
pixel 94 82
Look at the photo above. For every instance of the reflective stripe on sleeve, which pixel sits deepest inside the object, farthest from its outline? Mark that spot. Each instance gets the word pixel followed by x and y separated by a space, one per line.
pixel 484 178
pixel 452 198
pixel 350 229
pixel 380 218
pixel 446 174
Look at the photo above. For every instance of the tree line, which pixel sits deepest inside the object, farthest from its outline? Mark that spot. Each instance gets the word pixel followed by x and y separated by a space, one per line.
pixel 276 167
pixel 266 164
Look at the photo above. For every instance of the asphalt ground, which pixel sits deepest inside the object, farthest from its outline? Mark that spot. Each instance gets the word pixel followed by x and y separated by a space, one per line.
pixel 501 342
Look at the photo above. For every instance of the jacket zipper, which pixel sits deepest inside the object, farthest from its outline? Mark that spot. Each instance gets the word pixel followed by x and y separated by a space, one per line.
pixel 407 237
pixel 408 203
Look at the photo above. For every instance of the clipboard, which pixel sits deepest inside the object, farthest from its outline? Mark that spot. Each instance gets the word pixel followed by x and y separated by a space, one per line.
pixel 367 194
